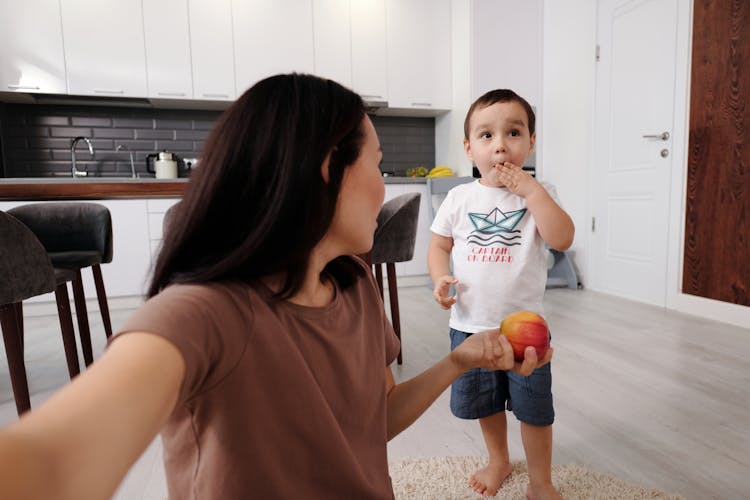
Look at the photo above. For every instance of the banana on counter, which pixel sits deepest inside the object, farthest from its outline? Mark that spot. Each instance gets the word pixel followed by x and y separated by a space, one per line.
pixel 441 171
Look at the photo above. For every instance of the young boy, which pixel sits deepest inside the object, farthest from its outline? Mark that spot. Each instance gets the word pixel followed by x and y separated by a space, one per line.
pixel 495 230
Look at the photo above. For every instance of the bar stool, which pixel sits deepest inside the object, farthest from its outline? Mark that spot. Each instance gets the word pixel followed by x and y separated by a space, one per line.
pixel 168 219
pixel 75 235
pixel 394 242
pixel 26 271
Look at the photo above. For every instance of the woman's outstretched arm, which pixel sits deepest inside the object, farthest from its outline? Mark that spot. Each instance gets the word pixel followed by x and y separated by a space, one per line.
pixel 81 443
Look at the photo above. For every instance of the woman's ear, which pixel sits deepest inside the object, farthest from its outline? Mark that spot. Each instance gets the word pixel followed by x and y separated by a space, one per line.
pixel 324 173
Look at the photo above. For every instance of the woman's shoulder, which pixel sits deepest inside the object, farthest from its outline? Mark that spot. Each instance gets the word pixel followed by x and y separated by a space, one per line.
pixel 212 291
pixel 199 303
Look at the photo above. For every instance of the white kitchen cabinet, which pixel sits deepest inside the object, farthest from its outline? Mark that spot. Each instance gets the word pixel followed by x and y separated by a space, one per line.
pixel 167 35
pixel 418 265
pixel 104 49
pixel 270 37
pixel 156 209
pixel 369 49
pixel 333 40
pixel 31 47
pixel 419 54
pixel 350 45
pixel 211 48
pixel 127 274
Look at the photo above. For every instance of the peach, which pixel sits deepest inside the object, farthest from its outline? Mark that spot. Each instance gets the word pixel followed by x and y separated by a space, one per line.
pixel 523 329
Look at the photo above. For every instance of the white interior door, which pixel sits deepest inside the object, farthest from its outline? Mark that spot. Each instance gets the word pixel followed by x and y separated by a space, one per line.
pixel 634 117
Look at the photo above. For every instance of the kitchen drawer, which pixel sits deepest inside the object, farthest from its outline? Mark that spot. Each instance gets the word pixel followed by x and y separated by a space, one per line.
pixel 160 205
pixel 156 209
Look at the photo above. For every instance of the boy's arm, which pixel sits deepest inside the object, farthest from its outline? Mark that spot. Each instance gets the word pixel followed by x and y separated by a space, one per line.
pixel 438 264
pixel 553 223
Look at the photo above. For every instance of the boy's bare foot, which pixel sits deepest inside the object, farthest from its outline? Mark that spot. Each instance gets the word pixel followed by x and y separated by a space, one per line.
pixel 542 492
pixel 487 481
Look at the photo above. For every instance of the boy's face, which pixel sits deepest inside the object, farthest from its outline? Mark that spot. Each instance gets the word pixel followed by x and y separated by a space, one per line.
pixel 498 133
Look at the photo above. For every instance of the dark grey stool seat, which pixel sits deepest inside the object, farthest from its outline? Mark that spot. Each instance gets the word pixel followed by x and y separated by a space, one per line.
pixel 26 271
pixel 75 235
pixel 73 260
pixel 394 242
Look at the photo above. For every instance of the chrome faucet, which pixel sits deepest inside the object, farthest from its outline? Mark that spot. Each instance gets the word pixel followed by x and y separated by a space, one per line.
pixel 73 170
pixel 120 147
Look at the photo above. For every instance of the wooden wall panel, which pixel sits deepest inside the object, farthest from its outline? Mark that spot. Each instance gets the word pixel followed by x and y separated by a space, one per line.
pixel 717 225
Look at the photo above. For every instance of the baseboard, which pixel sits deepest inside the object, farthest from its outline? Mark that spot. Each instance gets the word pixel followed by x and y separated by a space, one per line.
pixel 411 281
pixel 49 308
pixel 716 310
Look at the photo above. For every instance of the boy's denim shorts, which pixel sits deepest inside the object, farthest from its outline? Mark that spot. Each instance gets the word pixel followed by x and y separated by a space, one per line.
pixel 479 393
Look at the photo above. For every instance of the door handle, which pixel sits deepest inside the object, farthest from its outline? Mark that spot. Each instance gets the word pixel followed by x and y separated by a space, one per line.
pixel 664 136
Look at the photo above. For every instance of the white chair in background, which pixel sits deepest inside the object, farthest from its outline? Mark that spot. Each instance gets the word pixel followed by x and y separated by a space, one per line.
pixel 438 187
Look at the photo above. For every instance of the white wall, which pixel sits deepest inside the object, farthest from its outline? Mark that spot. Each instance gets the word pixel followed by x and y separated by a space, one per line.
pixel 449 128
pixel 567 104
pixel 495 44
pixel 506 50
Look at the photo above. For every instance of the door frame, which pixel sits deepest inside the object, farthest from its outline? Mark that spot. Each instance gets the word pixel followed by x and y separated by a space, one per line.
pixel 691 304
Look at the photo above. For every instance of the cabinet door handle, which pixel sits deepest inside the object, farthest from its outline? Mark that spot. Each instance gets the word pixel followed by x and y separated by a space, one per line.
pixel 371 97
pixel 23 87
pixel 219 96
pixel 108 91
pixel 664 136
pixel 423 104
pixel 172 94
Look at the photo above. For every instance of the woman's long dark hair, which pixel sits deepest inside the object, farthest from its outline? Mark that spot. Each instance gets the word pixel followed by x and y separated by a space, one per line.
pixel 258 203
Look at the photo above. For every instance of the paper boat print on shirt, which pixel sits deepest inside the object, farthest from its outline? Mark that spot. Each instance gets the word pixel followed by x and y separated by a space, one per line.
pixel 500 226
pixel 496 221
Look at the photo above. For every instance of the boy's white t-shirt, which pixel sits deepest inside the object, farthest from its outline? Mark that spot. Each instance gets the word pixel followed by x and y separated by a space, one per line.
pixel 499 258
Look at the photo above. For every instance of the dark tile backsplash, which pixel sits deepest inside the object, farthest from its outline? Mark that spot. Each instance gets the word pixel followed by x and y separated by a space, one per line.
pixel 36 138
pixel 406 142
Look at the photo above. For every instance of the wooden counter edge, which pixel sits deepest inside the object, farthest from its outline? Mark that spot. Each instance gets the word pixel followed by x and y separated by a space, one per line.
pixel 90 190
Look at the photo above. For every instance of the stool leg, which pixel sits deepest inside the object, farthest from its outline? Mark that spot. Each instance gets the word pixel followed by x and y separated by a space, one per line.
pixel 19 319
pixel 102 296
pixel 393 298
pixel 14 352
pixel 66 325
pixel 379 278
pixel 83 319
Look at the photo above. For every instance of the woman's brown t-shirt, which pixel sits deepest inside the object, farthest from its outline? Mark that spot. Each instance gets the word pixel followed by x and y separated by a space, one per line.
pixel 279 400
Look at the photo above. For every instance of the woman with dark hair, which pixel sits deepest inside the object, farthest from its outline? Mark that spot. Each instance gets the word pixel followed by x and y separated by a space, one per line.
pixel 262 355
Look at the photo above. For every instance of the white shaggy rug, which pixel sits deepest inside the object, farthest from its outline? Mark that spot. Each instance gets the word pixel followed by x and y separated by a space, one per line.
pixel 446 478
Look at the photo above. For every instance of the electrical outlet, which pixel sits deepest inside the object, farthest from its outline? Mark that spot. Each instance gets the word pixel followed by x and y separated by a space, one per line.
pixel 190 162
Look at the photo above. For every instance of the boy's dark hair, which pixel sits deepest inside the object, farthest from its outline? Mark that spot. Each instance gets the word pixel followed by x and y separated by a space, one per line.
pixel 499 95
pixel 258 203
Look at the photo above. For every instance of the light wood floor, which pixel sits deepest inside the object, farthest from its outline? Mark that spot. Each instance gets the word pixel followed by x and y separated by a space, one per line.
pixel 655 397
